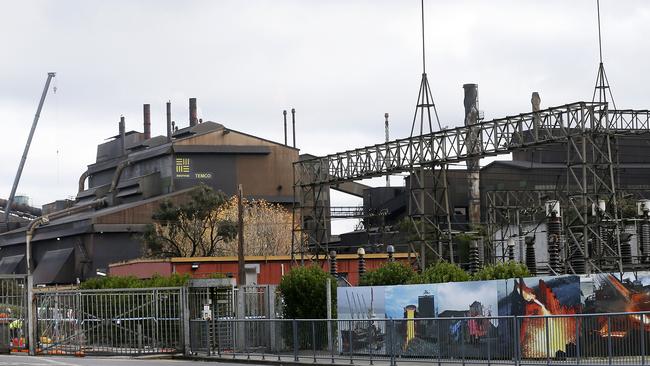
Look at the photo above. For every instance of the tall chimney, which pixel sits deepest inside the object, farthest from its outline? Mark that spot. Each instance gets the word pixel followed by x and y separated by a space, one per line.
pixel 293 122
pixel 122 136
pixel 473 169
pixel 284 113
pixel 169 121
pixel 387 139
pixel 146 111
pixel 193 119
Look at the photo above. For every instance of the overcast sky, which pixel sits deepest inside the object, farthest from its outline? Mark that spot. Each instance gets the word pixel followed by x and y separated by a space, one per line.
pixel 341 64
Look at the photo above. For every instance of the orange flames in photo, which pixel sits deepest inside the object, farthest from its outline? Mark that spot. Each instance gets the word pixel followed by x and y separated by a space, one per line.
pixel 543 301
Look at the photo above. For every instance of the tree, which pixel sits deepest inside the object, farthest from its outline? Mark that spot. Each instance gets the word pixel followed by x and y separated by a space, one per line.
pixel 442 272
pixel 391 273
pixel 267 227
pixel 190 229
pixel 304 293
pixel 501 271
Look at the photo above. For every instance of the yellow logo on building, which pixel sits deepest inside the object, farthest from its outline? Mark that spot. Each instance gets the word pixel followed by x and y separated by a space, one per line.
pixel 183 167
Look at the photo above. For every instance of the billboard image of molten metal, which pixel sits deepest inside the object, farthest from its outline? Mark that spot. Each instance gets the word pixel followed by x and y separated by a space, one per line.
pixel 457 319
pixel 541 300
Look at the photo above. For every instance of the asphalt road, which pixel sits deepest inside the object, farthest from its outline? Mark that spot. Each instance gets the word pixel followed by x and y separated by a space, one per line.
pixel 11 360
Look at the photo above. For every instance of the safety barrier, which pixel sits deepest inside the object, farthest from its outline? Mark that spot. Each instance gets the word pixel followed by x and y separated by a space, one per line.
pixel 584 339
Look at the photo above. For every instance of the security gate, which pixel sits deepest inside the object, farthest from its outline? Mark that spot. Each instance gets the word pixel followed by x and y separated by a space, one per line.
pixel 120 321
pixel 13 299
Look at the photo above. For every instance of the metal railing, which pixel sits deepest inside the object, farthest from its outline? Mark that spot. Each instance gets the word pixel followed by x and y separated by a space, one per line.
pixel 585 339
pixel 124 321
pixel 13 324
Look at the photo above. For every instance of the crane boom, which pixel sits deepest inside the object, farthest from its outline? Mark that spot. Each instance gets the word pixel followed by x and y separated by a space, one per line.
pixel 10 201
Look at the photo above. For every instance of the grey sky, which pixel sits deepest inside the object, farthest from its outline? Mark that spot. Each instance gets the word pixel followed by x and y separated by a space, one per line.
pixel 341 64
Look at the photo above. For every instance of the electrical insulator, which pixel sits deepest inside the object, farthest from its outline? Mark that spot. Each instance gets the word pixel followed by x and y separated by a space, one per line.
pixel 474 262
pixel 333 266
pixel 531 261
pixel 554 230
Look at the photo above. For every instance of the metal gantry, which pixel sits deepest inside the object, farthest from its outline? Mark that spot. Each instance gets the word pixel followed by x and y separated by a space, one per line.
pixel 587 129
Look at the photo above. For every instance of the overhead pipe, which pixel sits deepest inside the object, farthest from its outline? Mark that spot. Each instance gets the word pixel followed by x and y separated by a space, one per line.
pixel 116 178
pixel 15 207
pixel 82 180
pixel 29 234
pixel 146 111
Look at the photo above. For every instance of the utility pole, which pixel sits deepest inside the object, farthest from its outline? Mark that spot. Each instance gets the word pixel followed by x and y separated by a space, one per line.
pixel 240 247
pixel 10 201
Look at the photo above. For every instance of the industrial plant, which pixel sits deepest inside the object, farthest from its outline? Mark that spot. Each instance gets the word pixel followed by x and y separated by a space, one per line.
pixel 572 198
pixel 132 175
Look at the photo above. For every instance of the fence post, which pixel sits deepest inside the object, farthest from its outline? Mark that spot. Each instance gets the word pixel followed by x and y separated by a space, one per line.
pixel 331 341
pixel 294 323
pixel 577 325
pixel 392 343
pixel 643 339
pixel 185 320
pixel 31 316
pixel 517 345
pixel 328 292
pixel 350 340
pixel 548 345
pixel 313 338
pixel 609 339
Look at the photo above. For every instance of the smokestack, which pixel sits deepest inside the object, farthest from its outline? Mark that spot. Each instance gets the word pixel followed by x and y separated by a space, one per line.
pixel 284 113
pixel 122 136
pixel 193 119
pixel 387 139
pixel 146 111
pixel 293 122
pixel 535 100
pixel 473 170
pixel 169 121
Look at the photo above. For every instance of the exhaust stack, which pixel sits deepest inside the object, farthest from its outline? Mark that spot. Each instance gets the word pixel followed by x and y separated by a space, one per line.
pixel 472 118
pixel 193 119
pixel 122 127
pixel 146 111
pixel 169 120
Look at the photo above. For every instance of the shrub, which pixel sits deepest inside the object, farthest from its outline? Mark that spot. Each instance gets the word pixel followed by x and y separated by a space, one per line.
pixel 175 280
pixel 391 273
pixel 442 272
pixel 304 293
pixel 501 271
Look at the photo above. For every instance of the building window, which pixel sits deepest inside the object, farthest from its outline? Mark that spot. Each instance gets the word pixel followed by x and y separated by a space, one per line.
pixel 460 211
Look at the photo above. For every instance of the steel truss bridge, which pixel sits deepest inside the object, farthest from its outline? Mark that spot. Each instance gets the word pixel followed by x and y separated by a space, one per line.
pixel 588 129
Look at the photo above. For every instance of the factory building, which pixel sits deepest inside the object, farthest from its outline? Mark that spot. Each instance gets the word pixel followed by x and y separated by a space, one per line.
pixel 133 174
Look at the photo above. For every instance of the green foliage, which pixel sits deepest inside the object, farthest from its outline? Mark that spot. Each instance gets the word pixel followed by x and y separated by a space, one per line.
pixel 441 272
pixel 304 293
pixel 391 273
pixel 500 271
pixel 111 282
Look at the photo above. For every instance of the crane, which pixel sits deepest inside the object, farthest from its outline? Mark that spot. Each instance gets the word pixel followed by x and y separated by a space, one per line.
pixel 10 201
